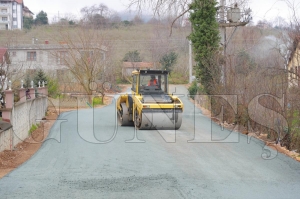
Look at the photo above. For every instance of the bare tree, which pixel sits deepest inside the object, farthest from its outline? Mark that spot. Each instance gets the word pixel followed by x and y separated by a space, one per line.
pixel 4 69
pixel 280 22
pixel 137 20
pixel 95 9
pixel 115 18
pixel 159 44
pixel 293 75
pixel 96 16
pixel 176 9
pixel 85 53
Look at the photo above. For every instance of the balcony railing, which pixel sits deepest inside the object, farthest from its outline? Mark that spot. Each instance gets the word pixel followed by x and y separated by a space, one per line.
pixel 5 22
pixel 4 13
pixel 2 5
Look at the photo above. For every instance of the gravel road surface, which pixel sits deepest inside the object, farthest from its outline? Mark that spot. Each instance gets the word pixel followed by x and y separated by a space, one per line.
pixel 88 156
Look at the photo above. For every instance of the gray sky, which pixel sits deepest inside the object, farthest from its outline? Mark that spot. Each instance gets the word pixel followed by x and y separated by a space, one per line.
pixel 262 9
pixel 65 7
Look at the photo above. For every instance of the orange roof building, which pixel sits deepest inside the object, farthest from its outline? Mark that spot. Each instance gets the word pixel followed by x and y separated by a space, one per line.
pixel 128 67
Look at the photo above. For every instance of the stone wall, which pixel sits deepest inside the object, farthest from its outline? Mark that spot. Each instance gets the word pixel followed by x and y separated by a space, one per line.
pixel 25 114
pixel 21 116
pixel 5 139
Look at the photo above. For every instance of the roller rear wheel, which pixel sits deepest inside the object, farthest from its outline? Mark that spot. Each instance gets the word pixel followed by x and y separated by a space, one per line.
pixel 124 119
pixel 137 120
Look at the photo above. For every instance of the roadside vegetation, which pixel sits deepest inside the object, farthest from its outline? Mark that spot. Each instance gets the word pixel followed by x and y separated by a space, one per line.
pixel 97 101
pixel 257 71
pixel 33 128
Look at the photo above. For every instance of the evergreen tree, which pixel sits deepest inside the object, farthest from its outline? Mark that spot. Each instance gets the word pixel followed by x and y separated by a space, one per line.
pixel 41 18
pixel 168 61
pixel 27 22
pixel 205 39
pixel 39 77
pixel 132 56
pixel 27 81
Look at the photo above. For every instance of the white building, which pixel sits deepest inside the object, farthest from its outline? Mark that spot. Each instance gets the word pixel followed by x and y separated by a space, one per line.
pixel 49 57
pixel 11 14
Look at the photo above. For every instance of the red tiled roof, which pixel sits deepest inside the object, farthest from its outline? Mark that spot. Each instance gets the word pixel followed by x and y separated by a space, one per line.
pixel 138 65
pixel 19 1
pixel 26 9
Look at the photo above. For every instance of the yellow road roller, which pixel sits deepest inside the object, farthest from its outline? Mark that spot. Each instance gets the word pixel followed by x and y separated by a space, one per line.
pixel 150 105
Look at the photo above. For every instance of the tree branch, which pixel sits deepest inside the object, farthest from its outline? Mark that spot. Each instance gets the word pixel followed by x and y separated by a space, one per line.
pixel 184 12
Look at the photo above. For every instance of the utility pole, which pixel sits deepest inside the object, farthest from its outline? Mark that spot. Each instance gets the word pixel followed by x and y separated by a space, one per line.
pixel 233 18
pixel 223 39
pixel 190 62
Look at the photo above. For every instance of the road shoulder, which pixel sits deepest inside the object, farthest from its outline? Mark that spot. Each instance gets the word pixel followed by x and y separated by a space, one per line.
pixel 257 135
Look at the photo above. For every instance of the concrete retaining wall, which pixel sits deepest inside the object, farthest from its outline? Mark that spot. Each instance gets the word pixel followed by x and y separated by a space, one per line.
pixel 5 139
pixel 24 115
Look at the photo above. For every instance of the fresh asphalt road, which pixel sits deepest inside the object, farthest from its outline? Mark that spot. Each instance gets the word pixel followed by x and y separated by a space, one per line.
pixel 87 156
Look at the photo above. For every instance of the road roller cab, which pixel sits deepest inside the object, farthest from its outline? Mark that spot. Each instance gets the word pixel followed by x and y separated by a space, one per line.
pixel 150 105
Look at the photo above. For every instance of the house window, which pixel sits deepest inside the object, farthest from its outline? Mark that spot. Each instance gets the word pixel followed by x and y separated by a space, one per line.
pixel 4 10
pixel 86 53
pixel 31 56
pixel 4 18
pixel 14 11
pixel 61 57
pixel 15 26
pixel 14 19
pixel 14 53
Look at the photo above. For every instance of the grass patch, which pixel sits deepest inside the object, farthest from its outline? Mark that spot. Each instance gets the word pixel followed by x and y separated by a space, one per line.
pixel 97 101
pixel 177 78
pixel 33 128
pixel 61 96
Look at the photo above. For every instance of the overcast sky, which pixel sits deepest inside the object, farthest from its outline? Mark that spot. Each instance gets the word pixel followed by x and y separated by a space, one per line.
pixel 262 9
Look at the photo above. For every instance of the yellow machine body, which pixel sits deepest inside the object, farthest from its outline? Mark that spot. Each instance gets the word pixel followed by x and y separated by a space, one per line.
pixel 149 105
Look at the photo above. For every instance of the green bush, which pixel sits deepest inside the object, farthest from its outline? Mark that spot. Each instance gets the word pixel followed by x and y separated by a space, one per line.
pixel 53 87
pixel 193 89
pixel 97 101
pixel 32 128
